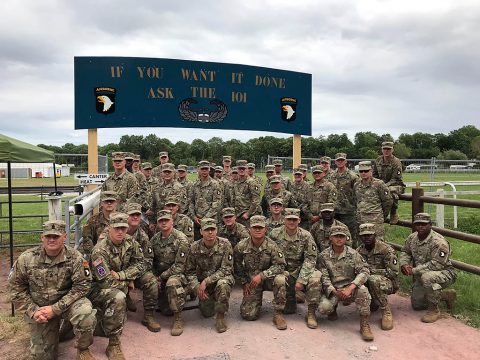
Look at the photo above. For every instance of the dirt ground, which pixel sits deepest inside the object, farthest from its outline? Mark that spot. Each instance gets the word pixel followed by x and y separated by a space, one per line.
pixel 448 338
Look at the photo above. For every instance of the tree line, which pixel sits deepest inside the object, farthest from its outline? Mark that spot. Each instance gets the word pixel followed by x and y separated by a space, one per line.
pixel 460 144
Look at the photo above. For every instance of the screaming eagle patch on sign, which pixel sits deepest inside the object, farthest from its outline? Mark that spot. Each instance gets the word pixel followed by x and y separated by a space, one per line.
pixel 288 108
pixel 105 100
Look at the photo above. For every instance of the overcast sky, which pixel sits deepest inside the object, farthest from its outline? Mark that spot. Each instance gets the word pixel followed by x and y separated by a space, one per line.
pixel 381 66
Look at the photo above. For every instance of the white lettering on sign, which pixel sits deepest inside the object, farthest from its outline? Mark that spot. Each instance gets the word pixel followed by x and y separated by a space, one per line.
pixel 88 179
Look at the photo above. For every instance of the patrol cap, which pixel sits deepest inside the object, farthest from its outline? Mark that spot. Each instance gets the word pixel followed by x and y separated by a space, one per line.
pixel 297 171
pixel 218 169
pixel 258 220
pixel 168 167
pixel 136 157
pixel 108 195
pixel 234 170
pixel 269 168
pixel 277 162
pixel 118 220
pixel 118 155
pixel 327 207
pixel 366 229
pixel 134 208
pixel 208 223
pixel 275 179
pixel 422 218
pixel 146 166
pixel 387 145
pixel 325 159
pixel 54 227
pixel 241 164
pixel 182 167
pixel 338 230
pixel 251 165
pixel 164 214
pixel 317 168
pixel 212 165
pixel 228 211
pixel 227 158
pixel 340 156
pixel 171 200
pixel 365 165
pixel 204 164
pixel 163 154
pixel 291 213
pixel 129 156
pixel 275 201
pixel 303 167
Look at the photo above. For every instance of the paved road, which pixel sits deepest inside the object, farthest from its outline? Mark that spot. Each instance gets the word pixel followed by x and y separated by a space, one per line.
pixel 448 338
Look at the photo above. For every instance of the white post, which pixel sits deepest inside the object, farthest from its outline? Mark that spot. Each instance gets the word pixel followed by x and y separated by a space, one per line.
pixel 441 210
pixel 54 207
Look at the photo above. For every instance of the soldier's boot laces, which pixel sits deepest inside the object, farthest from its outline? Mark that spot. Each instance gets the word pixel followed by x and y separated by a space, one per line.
pixel 149 321
pixel 333 316
pixel 114 351
pixel 279 320
pixel 311 317
pixel 220 324
pixel 365 330
pixel 387 318
pixel 432 315
pixel 299 297
pixel 177 326
pixel 131 306
pixel 449 296
pixel 84 355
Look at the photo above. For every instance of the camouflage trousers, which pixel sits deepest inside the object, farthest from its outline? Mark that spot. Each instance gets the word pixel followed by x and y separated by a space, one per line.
pixel 350 220
pixel 251 305
pixel 111 311
pixel 218 297
pixel 149 285
pixel 313 289
pixel 427 287
pixel 171 297
pixel 376 219
pixel 44 337
pixel 379 287
pixel 360 296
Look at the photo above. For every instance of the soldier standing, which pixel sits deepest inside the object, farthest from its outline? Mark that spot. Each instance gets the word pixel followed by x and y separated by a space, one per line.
pixel 170 247
pixel 304 169
pixel 246 195
pixel 383 279
pixel 269 172
pixel 259 265
pixel 344 273
pixel 276 190
pixel 122 182
pixel 287 182
pixel 227 170
pixel 231 229
pixel 157 171
pixel 322 228
pixel 180 222
pixel 251 173
pixel 373 199
pixel 276 218
pixel 300 253
pixel 50 282
pixel 344 180
pixel 182 179
pixel 321 191
pixel 426 257
pixel 300 189
pixel 210 273
pixel 223 182
pixel 326 162
pixel 144 194
pixel 388 168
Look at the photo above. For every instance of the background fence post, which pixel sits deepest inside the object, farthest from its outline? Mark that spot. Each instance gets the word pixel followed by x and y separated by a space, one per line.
pixel 417 204
pixel 440 210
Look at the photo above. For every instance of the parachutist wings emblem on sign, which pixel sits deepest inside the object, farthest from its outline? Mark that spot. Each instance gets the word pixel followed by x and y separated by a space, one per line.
pixel 203 115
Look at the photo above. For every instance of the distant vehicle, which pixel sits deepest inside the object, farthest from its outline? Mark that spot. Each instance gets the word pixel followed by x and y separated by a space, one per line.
pixel 459 167
pixel 412 168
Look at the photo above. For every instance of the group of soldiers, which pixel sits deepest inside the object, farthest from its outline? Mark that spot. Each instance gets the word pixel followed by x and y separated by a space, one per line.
pixel 319 242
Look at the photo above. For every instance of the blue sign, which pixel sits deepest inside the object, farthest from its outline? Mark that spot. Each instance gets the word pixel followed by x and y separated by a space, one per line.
pixel 145 92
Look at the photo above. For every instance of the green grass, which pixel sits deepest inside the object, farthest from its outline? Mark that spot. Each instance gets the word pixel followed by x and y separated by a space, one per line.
pixel 67 180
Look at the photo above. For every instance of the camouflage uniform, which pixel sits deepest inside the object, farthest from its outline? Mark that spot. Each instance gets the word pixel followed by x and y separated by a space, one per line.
pixel 169 265
pixel 321 234
pixel 345 206
pixel 91 232
pixel 246 196
pixel 205 198
pixel 390 172
pixel 168 190
pixel 286 196
pixel 300 191
pixel 184 224
pixel 267 260
pixel 273 224
pixel 235 235
pixel 62 282
pixel 432 268
pixel 321 192
pixel 125 185
pixel 215 266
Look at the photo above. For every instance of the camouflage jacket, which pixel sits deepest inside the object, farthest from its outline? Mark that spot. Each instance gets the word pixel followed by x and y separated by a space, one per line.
pixel 321 234
pixel 235 235
pixel 205 198
pixel 299 250
pixel 141 237
pixel 300 191
pixel 372 197
pixel 340 271
pixel 320 192
pixel 431 254
pixel 258 180
pixel 184 224
pixel 126 260
pixel 249 260
pixel 246 197
pixel 170 254
pixel 344 182
pixel 144 193
pixel 287 183
pixel 390 172
pixel 330 176
pixel 162 192
pixel 187 184
pixel 285 195
pixel 210 264
pixel 382 260
pixel 36 280
pixel 125 185
pixel 273 224
pixel 91 232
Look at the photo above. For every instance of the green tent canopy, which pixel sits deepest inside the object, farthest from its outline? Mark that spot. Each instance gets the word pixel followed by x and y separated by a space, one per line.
pixel 13 150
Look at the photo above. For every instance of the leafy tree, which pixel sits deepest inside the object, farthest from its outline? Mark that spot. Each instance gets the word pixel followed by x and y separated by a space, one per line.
pixel 402 151
pixel 452 155
pixel 475 147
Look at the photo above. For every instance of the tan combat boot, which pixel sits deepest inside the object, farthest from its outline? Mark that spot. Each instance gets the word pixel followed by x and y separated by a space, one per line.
pixel 220 323
pixel 387 318
pixel 311 317
pixel 432 314
pixel 131 306
pixel 449 296
pixel 365 330
pixel 177 326
pixel 279 320
pixel 114 351
pixel 149 321
pixel 84 355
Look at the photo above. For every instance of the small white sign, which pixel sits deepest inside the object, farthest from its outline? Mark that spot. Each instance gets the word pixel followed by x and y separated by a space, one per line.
pixel 89 179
